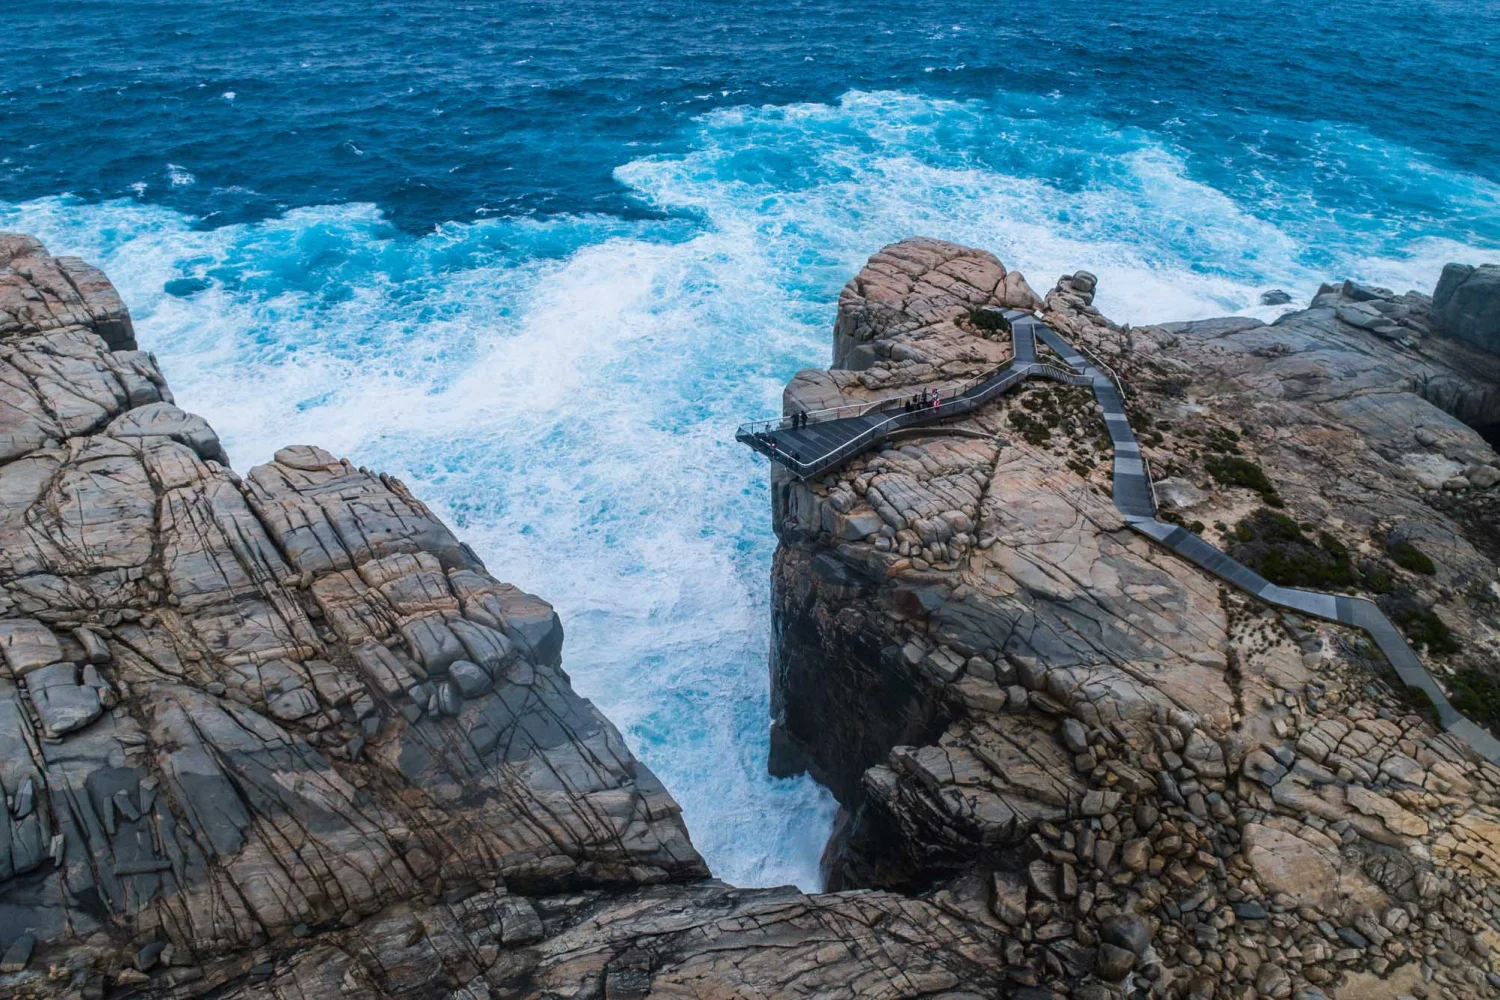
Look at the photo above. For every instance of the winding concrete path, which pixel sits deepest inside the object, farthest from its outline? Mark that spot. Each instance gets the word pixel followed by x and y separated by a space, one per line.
pixel 831 437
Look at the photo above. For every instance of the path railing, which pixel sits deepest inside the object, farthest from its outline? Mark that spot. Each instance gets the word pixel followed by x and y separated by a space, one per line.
pixel 847 410
pixel 1109 372
pixel 980 389
pixel 816 416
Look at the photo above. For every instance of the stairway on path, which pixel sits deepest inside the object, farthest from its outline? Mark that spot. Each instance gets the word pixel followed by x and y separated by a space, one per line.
pixel 824 444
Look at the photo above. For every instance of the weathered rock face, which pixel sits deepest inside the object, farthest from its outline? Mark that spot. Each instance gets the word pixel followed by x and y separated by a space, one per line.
pixel 1162 786
pixel 283 736
pixel 1466 304
pixel 232 707
pixel 676 941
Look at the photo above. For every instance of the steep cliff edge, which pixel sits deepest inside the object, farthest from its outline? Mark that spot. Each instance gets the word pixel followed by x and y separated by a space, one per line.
pixel 283 736
pixel 1159 782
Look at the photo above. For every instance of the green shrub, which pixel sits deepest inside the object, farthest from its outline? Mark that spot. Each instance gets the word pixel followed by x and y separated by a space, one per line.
pixel 1477 695
pixel 1223 439
pixel 1425 628
pixel 989 320
pixel 1034 431
pixel 1419 701
pixel 1274 546
pixel 1232 470
pixel 1333 546
pixel 1408 556
pixel 1376 576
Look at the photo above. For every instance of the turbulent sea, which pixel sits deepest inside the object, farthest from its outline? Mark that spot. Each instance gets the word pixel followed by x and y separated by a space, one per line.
pixel 539 258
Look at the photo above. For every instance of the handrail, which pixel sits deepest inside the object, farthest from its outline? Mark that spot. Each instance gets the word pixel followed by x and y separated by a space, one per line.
pixel 860 409
pixel 837 413
pixel 1120 387
pixel 937 407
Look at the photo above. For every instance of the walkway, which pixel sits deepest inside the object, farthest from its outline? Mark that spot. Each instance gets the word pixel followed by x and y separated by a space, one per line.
pixel 816 441
pixel 831 437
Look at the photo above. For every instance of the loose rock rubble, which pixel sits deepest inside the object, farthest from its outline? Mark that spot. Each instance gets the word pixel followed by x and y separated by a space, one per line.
pixel 1162 788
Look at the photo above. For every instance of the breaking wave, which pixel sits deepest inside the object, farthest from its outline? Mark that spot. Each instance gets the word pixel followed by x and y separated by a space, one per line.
pixel 564 390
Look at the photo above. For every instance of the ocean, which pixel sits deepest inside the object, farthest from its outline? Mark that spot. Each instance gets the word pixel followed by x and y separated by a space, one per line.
pixel 538 259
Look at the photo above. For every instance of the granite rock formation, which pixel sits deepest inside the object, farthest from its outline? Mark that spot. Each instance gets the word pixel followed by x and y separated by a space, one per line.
pixel 1466 304
pixel 283 735
pixel 1161 787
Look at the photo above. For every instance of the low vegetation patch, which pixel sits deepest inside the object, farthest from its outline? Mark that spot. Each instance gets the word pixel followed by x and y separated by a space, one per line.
pixel 1233 470
pixel 989 320
pixel 1377 576
pixel 1421 624
pixel 1275 546
pixel 1408 556
pixel 1033 429
pixel 1222 439
pixel 1477 695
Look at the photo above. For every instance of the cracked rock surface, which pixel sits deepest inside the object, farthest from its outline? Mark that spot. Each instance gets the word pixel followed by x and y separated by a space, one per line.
pixel 1160 787
pixel 283 736
pixel 237 710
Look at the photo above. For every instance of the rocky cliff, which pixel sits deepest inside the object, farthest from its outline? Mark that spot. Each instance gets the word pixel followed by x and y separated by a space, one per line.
pixel 283 735
pixel 1154 783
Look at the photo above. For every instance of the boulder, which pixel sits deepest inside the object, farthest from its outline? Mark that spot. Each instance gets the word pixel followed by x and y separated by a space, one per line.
pixel 1466 304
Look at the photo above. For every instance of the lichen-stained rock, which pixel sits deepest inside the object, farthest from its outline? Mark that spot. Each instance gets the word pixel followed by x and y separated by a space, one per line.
pixel 904 304
pixel 1305 864
pixel 225 711
pixel 986 562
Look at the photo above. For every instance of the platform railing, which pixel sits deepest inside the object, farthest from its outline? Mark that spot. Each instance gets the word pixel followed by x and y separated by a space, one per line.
pixel 815 416
pixel 955 400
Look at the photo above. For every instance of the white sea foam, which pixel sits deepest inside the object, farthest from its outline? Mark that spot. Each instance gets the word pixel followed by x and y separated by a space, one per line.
pixel 565 392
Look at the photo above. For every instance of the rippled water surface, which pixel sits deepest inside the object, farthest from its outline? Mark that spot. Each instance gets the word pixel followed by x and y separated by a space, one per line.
pixel 539 258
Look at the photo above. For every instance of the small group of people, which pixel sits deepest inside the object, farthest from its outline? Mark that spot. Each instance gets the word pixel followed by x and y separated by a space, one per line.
pixel 799 420
pixel 776 449
pixel 923 400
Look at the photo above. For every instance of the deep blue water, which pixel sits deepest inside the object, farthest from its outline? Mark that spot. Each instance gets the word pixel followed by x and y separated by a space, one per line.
pixel 539 258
